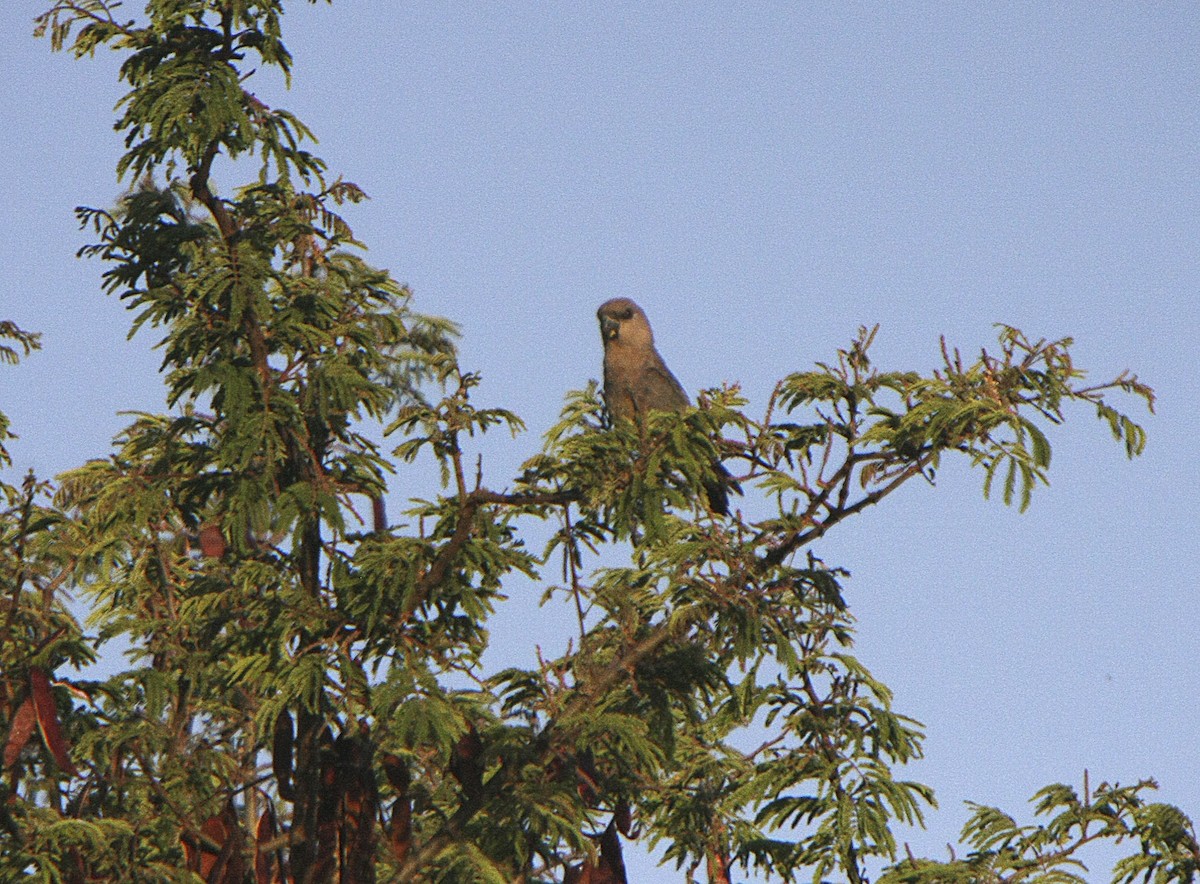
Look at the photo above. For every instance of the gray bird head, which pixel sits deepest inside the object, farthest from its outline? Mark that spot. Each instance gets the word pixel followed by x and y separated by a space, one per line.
pixel 623 322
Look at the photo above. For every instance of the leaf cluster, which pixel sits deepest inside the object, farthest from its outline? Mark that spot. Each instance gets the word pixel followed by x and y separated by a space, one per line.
pixel 1002 850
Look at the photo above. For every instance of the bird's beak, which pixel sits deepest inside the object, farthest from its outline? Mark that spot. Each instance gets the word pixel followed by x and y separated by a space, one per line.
pixel 609 329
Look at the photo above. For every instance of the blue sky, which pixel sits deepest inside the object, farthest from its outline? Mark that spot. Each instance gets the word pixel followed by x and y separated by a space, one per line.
pixel 763 181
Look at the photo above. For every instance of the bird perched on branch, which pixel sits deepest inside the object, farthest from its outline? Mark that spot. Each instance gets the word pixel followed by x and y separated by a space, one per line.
pixel 637 381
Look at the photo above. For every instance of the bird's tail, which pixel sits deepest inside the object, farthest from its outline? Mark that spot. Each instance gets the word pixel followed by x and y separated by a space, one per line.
pixel 718 487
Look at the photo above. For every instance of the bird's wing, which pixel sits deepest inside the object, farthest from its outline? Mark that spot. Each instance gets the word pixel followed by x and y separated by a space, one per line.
pixel 659 390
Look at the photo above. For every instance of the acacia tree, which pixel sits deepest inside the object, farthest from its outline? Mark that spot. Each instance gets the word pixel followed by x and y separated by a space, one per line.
pixel 295 709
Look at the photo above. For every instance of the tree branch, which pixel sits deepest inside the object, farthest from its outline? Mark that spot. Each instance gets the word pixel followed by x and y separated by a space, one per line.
pixel 836 514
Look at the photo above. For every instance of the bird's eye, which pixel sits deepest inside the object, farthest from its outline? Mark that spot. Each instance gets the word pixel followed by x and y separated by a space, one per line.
pixel 626 313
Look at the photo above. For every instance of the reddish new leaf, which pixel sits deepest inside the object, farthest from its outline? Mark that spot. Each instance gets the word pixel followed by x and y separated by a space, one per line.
pixel 466 763
pixel 623 817
pixel 191 854
pixel 19 731
pixel 47 719
pixel 400 828
pixel 212 542
pixel 396 771
pixel 400 831
pixel 268 864
pixel 216 856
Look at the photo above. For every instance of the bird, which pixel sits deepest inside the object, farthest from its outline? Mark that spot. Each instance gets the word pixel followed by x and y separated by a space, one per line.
pixel 637 381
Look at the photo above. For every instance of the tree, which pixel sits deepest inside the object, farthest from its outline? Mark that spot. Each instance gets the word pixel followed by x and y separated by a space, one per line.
pixel 306 700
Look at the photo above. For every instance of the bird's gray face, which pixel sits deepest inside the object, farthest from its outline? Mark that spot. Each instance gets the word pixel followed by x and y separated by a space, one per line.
pixel 610 329
pixel 612 314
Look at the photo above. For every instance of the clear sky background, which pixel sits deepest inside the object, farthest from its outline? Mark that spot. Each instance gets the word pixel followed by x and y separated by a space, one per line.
pixel 762 180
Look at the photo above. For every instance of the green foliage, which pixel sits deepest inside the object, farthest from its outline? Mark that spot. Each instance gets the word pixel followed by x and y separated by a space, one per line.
pixel 1004 851
pixel 307 682
pixel 27 342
